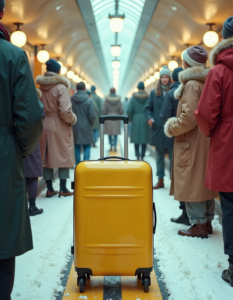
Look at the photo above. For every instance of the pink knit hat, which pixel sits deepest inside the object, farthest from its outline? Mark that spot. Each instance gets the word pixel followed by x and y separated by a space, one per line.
pixel 195 56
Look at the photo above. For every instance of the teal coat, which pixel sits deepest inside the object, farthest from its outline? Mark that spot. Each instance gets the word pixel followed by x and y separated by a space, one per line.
pixel 20 129
pixel 97 101
pixel 140 133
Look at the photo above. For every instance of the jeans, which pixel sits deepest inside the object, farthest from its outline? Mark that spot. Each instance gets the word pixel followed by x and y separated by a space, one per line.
pixel 7 276
pixel 63 173
pixel 226 200
pixel 200 212
pixel 96 135
pixel 137 151
pixel 86 153
pixel 113 140
pixel 159 153
pixel 32 186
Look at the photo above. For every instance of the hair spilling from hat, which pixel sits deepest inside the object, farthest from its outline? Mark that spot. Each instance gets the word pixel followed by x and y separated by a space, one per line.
pixel 81 86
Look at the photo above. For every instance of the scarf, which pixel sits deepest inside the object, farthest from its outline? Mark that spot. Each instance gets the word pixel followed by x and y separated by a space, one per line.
pixel 164 89
pixel 5 32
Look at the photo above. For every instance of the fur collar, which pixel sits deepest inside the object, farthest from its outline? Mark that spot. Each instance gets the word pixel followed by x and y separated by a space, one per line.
pixel 141 95
pixel 39 93
pixel 223 45
pixel 194 73
pixel 116 98
pixel 53 80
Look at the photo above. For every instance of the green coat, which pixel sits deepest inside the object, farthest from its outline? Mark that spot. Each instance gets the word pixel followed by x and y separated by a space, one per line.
pixel 20 129
pixel 140 129
pixel 97 101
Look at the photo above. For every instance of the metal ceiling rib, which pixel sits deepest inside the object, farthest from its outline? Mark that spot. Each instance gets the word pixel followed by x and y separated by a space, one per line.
pixel 146 16
pixel 89 19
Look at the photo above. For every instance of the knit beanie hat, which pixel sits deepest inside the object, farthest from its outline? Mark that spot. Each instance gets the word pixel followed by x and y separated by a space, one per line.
pixel 112 90
pixel 93 88
pixel 175 73
pixel 2 5
pixel 227 31
pixel 195 56
pixel 141 86
pixel 165 71
pixel 88 92
pixel 53 66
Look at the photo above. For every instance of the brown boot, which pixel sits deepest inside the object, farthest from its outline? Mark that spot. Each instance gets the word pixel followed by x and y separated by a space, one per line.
pixel 50 194
pixel 197 230
pixel 209 227
pixel 65 194
pixel 159 185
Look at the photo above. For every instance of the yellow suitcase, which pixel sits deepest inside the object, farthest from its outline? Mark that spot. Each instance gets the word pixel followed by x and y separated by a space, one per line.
pixel 114 216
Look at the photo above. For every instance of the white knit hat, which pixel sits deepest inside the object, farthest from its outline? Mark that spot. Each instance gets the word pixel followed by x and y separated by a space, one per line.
pixel 165 71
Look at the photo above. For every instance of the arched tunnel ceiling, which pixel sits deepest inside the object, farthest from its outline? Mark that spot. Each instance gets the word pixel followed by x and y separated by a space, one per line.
pixel 59 24
pixel 170 30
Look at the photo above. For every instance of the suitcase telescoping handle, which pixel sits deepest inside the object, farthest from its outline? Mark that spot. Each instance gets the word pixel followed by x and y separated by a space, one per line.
pixel 125 119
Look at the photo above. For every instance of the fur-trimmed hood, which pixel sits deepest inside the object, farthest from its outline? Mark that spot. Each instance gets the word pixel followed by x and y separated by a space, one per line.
pixel 141 96
pixel 51 79
pixel 113 99
pixel 193 73
pixel 223 45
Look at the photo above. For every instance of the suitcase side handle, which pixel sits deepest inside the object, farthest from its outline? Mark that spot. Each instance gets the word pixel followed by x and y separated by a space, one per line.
pixel 110 157
pixel 154 218
pixel 125 119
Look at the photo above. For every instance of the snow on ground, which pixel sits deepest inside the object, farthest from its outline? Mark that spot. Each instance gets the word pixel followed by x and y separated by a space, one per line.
pixel 191 267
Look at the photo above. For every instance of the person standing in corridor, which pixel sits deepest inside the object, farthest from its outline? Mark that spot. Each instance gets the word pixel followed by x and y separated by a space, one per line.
pixel 140 129
pixel 84 108
pixel 96 125
pixel 113 106
pixel 152 110
pixel 215 119
pixel 20 128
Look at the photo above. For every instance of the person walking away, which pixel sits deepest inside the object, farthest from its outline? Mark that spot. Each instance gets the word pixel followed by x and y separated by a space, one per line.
pixel 215 119
pixel 96 125
pixel 56 142
pixel 152 112
pixel 140 129
pixel 191 147
pixel 125 112
pixel 169 110
pixel 20 128
pixel 96 107
pixel 113 106
pixel 32 170
pixel 84 109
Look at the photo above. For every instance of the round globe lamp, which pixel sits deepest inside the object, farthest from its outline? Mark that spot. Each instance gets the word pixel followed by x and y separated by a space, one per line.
pixel 116 50
pixel 116 23
pixel 43 55
pixel 157 75
pixel 152 79
pixel 173 64
pixel 70 74
pixel 116 64
pixel 211 37
pixel 18 37
pixel 63 70
pixel 115 72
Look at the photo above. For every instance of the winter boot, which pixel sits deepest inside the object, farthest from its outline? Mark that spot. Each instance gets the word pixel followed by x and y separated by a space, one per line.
pixel 33 210
pixel 63 190
pixel 50 191
pixel 159 185
pixel 227 275
pixel 197 230
pixel 183 219
pixel 115 149
pixel 209 227
pixel 111 149
pixel 138 158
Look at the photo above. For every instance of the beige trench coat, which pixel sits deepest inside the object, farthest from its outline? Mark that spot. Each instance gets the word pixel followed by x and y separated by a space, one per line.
pixel 56 142
pixel 191 147
pixel 113 106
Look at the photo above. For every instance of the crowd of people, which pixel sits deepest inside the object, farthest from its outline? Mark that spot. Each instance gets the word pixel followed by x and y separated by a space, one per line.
pixel 188 116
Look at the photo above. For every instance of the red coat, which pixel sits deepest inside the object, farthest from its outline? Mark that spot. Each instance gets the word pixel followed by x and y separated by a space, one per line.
pixel 215 118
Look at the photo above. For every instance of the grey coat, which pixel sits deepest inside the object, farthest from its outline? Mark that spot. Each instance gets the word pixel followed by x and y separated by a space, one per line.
pixel 153 108
pixel 84 109
pixel 113 106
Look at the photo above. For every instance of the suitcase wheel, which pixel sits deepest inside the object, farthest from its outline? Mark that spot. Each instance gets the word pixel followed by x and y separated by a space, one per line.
pixel 81 283
pixel 146 283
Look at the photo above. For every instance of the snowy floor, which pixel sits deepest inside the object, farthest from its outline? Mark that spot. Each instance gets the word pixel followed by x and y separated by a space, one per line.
pixel 191 267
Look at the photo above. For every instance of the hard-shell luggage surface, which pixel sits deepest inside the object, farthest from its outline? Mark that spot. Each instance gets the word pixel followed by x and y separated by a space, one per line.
pixel 114 216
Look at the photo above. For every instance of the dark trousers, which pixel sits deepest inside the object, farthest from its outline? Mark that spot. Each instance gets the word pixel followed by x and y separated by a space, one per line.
pixel 32 186
pixel 183 207
pixel 226 200
pixel 7 275
pixel 137 150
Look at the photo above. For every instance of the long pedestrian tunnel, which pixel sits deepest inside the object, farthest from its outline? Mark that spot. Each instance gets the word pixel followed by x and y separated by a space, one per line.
pixel 114 49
